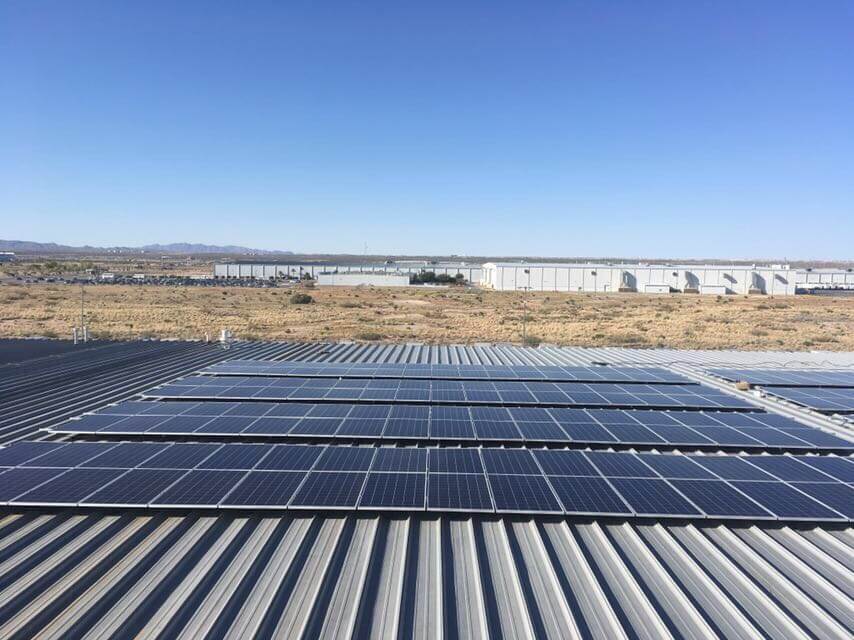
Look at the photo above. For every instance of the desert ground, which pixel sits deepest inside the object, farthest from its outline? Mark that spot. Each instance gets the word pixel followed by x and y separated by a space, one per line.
pixel 437 315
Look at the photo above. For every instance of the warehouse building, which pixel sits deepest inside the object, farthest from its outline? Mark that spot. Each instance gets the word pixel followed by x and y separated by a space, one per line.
pixel 639 278
pixel 363 279
pixel 279 271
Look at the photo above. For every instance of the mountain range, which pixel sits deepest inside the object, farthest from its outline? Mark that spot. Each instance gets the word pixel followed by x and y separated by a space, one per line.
pixel 175 247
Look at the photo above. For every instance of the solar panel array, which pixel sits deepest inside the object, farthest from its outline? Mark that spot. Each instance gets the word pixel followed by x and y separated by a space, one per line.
pixel 789 377
pixel 446 371
pixel 825 400
pixel 321 477
pixel 403 422
pixel 632 395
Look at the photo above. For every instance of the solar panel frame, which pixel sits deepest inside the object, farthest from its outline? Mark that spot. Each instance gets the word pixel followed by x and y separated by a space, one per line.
pixel 199 489
pixel 394 491
pixel 255 488
pixel 324 490
pixel 578 494
pixel 136 488
pixel 786 502
pixel 523 494
pixel 445 493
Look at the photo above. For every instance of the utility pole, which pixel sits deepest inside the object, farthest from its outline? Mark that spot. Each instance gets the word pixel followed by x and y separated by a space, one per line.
pixel 82 320
pixel 525 307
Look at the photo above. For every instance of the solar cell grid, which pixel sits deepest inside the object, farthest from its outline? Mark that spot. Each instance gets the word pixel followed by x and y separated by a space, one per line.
pixel 70 487
pixel 447 372
pixel 509 461
pixel 625 465
pixel 458 492
pixel 264 489
pixel 521 494
pixel 837 496
pixel 454 461
pixel 394 490
pixel 785 501
pixel 329 489
pixel 14 482
pixel 235 456
pixel 199 488
pixel 137 487
pixel 840 468
pixel 717 498
pixel 562 393
pixel 787 468
pixel 586 495
pixel 290 458
pixel 401 460
pixel 21 452
pixel 653 497
pixel 789 377
pixel 823 400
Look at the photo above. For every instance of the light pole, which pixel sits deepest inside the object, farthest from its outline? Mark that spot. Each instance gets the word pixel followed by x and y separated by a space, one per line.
pixel 525 289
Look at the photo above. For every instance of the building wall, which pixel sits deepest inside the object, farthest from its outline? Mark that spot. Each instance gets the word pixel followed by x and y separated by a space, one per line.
pixel 643 278
pixel 472 273
pixel 359 279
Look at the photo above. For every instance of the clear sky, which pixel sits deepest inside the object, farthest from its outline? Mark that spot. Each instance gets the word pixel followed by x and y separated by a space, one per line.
pixel 619 128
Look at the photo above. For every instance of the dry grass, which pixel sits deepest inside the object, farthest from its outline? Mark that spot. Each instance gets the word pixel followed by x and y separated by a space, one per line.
pixel 436 316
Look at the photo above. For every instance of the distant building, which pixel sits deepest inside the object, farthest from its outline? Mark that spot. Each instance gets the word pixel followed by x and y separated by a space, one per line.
pixel 7 256
pixel 363 279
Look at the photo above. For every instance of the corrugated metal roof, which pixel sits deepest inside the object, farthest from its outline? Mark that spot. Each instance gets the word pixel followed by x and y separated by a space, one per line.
pixel 195 575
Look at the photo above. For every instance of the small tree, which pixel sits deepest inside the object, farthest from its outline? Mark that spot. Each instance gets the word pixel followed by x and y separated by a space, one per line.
pixel 301 298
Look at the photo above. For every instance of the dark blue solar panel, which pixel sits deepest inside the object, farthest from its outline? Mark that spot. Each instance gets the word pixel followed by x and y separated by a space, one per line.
pixel 130 424
pixel 127 454
pixel 731 468
pixel 451 429
pixel 200 488
pixel 346 459
pixel 818 438
pixel 455 461
pixel 14 482
pixel 784 501
pixel 717 498
pixel 523 494
pixel 181 424
pixel 587 495
pixel 330 489
pixel 394 490
pixel 137 487
pixel 290 458
pixel 264 489
pixel 675 466
pixel 587 432
pixel 839 468
pixel 360 427
pixel 542 431
pixel 393 459
pixel 458 492
pixel 21 452
pixel 678 434
pixel 565 463
pixel 406 429
pixel 497 431
pixel 70 456
pixel 71 487
pixel 235 456
pixel 835 495
pixel 271 426
pixel 787 468
pixel 619 464
pixel 317 426
pixel 226 425
pixel 180 456
pixel 653 497
pixel 515 461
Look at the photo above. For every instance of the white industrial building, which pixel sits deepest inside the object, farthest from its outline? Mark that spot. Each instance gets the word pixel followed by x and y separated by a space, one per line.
pixel 363 279
pixel 275 271
pixel 640 278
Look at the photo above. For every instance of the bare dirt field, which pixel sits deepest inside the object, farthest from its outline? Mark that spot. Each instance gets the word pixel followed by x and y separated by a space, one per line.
pixel 434 316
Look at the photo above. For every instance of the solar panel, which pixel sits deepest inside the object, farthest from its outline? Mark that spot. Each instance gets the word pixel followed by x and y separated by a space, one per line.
pixel 330 489
pixel 403 460
pixel 394 490
pixel 290 458
pixel 839 468
pixel 458 492
pixel 199 489
pixel 784 501
pixel 21 452
pixel 582 495
pixel 787 468
pixel 180 456
pixel 454 461
pixel 823 400
pixel 14 482
pixel 499 424
pixel 235 456
pixel 789 377
pixel 69 488
pixel 436 392
pixel 620 465
pixel 125 455
pixel 523 493
pixel 509 461
pixel 675 466
pixel 70 456
pixel 444 372
pixel 839 497
pixel 653 497
pixel 264 489
pixel 136 488
pixel 717 498
pixel 565 463
pixel 731 468
pixel 345 459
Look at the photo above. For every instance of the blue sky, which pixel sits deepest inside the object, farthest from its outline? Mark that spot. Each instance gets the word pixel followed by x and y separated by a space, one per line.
pixel 678 129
